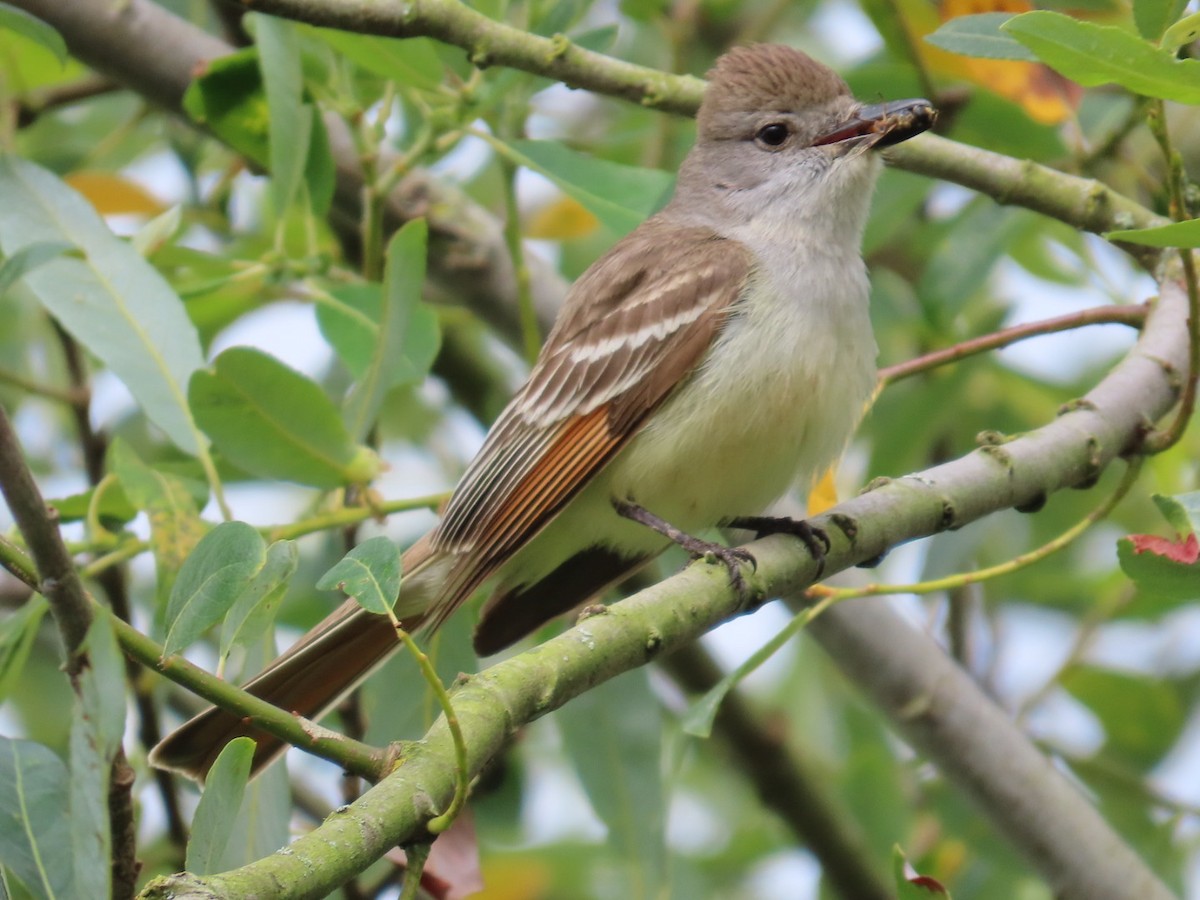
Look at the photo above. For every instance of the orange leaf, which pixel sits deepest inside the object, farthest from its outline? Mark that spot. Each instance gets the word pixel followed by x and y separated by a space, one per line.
pixel 113 194
pixel 1045 96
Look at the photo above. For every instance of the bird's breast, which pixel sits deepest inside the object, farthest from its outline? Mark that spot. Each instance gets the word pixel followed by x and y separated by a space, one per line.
pixel 773 401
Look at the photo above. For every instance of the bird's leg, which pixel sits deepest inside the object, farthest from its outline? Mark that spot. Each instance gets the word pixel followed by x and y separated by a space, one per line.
pixel 731 557
pixel 814 538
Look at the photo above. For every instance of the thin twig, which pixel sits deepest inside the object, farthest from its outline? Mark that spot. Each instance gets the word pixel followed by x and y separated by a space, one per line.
pixel 57 577
pixel 59 582
pixel 1124 315
pixel 43 100
pixel 114 583
pixel 829 596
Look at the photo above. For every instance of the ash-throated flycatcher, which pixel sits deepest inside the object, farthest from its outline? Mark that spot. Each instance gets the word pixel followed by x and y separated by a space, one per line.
pixel 714 356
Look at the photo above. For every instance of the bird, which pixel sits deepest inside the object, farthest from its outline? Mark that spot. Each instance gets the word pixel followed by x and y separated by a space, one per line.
pixel 713 357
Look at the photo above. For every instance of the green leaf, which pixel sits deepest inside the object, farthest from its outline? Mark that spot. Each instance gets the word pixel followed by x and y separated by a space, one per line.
pixel 613 734
pixel 97 725
pixel 409 61
pixel 211 580
pixel 964 259
pixel 115 508
pixel 599 40
pixel 218 807
pixel 1177 234
pixel 261 826
pixel 370 573
pixel 159 232
pixel 980 36
pixel 17 633
pixel 1162 584
pixel 449 648
pixel 33 28
pixel 320 169
pixel 28 258
pixel 274 422
pixel 112 301
pixel 228 100
pixel 1153 17
pixel 1142 715
pixel 91 837
pixel 1182 32
pixel 1182 511
pixel 102 688
pixel 1094 54
pixel 403 277
pixel 254 610
pixel 35 843
pixel 353 331
pixel 175 524
pixel 291 120
pixel 619 196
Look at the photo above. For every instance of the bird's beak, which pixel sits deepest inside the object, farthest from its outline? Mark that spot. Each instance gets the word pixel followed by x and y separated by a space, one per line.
pixel 882 124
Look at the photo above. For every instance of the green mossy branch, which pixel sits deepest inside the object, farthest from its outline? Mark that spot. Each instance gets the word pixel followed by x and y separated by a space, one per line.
pixel 491 706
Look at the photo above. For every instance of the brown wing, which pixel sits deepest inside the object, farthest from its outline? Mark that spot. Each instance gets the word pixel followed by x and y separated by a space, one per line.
pixel 633 327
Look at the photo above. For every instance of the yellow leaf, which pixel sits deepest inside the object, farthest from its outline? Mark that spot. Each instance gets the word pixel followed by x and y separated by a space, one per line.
pixel 518 877
pixel 823 494
pixel 111 194
pixel 561 220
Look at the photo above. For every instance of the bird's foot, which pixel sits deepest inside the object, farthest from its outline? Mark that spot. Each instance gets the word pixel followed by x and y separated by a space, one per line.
pixel 731 557
pixel 814 538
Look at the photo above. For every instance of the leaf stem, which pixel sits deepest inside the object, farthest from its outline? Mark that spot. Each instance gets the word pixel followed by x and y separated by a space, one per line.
pixel 440 823
pixel 351 515
pixel 63 395
pixel 961 579
pixel 531 338
pixel 352 755
pixel 415 856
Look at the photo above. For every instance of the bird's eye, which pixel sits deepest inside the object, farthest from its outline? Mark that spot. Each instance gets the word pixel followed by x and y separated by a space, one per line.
pixel 773 135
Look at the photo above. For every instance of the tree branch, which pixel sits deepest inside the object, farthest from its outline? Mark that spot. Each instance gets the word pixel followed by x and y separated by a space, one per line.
pixel 58 579
pixel 155 53
pixel 1071 450
pixel 491 43
pixel 59 582
pixel 785 781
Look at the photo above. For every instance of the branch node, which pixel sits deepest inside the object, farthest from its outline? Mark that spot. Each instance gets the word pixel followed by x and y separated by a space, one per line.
pixel 949 520
pixel 874 484
pixel 653 645
pixel 1033 504
pixel 1079 403
pixel 918 706
pixel 480 57
pixel 1093 468
pixel 991 438
pixel 560 45
pixel 847 525
pixel 592 609
pixel 997 453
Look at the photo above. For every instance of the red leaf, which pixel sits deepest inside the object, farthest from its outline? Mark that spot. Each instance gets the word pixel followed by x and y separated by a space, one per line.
pixel 1186 551
pixel 930 884
pixel 452 870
